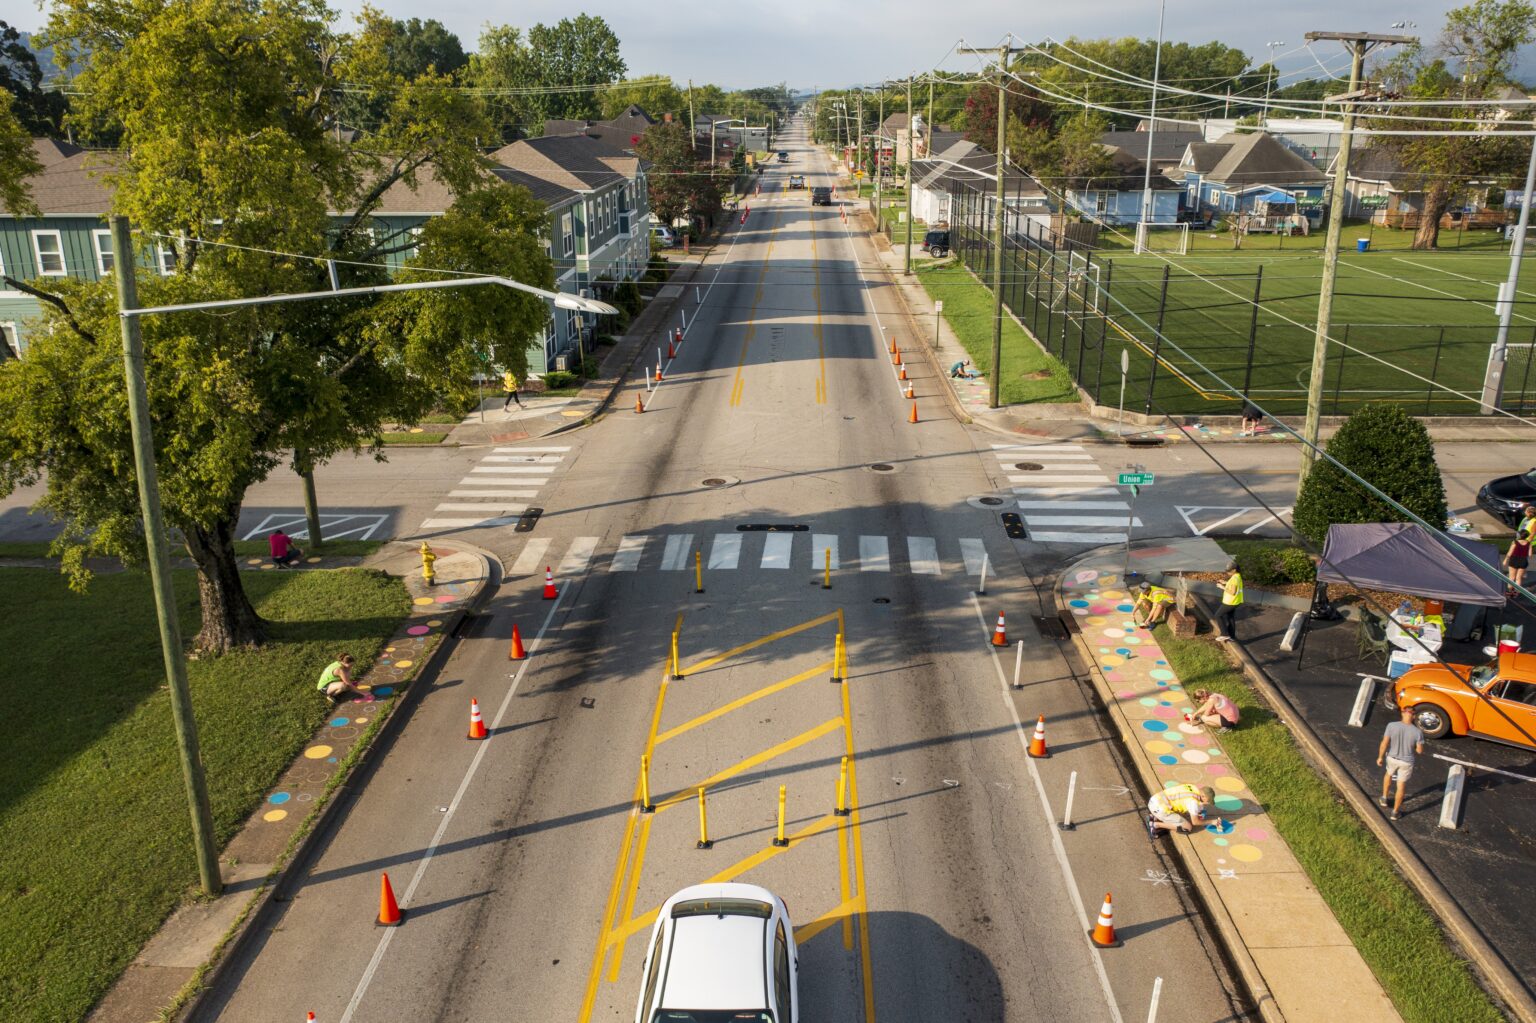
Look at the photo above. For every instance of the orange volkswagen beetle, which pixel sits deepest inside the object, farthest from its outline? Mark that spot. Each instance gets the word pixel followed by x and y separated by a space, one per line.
pixel 1500 704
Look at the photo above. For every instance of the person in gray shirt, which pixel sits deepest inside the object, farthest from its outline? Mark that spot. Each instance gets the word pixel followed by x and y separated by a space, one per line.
pixel 1402 742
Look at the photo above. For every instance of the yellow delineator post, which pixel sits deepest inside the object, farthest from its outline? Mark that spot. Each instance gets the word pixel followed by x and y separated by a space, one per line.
pixel 676 666
pixel 781 841
pixel 841 809
pixel 704 842
pixel 698 571
pixel 646 806
pixel 826 580
pixel 839 659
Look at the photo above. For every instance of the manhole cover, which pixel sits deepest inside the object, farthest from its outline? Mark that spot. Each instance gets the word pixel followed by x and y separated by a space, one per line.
pixel 882 600
pixel 881 467
pixel 714 481
pixel 1028 466
pixel 989 501
pixel 719 481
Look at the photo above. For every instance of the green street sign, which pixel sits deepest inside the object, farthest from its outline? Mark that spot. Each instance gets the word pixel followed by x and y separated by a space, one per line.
pixel 1135 479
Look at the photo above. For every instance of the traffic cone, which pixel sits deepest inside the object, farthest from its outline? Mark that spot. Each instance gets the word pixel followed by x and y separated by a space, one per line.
pixel 658 372
pixel 893 346
pixel 517 653
pixel 903 374
pixel 639 404
pixel 1103 933
pixel 743 216
pixel 309 1017
pixel 913 417
pixel 671 350
pixel 677 334
pixel 910 393
pixel 1000 636
pixel 896 359
pixel 1037 744
pixel 389 909
pixel 550 593
pixel 476 723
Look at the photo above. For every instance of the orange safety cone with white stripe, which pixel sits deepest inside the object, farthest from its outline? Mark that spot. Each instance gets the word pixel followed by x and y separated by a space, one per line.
pixel 913 417
pixel 476 722
pixel 903 374
pixel 517 653
pixel 910 392
pixel 1037 744
pixel 1103 933
pixel 309 1017
pixel 1000 634
pixel 550 593
pixel 389 909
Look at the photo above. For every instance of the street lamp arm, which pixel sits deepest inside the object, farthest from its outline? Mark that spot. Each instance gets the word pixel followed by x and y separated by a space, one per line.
pixel 561 300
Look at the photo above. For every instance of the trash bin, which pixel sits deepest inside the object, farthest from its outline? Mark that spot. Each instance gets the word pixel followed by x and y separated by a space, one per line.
pixel 1362 244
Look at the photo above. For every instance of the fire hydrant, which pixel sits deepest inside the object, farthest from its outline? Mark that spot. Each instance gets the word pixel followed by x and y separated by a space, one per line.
pixel 427 557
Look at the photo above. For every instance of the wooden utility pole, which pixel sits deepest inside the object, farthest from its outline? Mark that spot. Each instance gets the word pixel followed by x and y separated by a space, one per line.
pixel 1359 44
pixel 1006 50
pixel 928 142
pixel 858 160
pixel 906 267
pixel 690 112
pixel 879 149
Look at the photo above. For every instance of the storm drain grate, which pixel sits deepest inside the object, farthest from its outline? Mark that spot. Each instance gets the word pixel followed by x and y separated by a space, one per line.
pixel 882 600
pixel 991 502
pixel 1050 627
pixel 770 527
pixel 527 520
pixel 715 481
pixel 1014 526
pixel 1028 466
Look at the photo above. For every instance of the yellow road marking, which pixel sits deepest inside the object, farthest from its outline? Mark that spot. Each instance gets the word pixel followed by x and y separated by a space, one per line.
pixel 858 844
pixel 629 896
pixel 710 662
pixel 821 350
pixel 737 704
pixel 738 388
pixel 805 932
pixel 811 735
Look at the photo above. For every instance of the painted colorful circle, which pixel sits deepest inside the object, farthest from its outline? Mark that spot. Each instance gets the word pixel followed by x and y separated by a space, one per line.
pixel 1077 603
pixel 418 630
pixel 381 691
pixel 342 734
pixel 1195 756
pixel 1161 673
pixel 339 722
pixel 1256 834
pixel 1115 633
pixel 1215 769
pixel 1125 608
pixel 1095 620
pixel 1189 729
pixel 1124 651
pixel 422 601
pixel 1219 841
pixel 1112 594
pixel 279 798
pixel 274 815
pixel 1246 853
pixel 1231 804
pixel 389 650
pixel 436 623
pixel 1188 775
pixel 1168 758
pixel 317 752
pixel 402 665
pixel 305 797
pixel 267 568
pixel 1079 610
pixel 1133 640
pixel 1227 784
pixel 1147 701
pixel 254 561
pixel 1155 726
pixel 1112 660
pixel 1158 746
pixel 1087 575
pixel 364 721
pixel 447 598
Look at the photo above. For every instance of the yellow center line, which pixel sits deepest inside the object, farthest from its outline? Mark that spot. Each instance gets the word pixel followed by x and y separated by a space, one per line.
pixel 858 845
pixel 710 662
pixel 738 388
pixel 737 704
pixel 811 735
pixel 629 895
pixel 821 350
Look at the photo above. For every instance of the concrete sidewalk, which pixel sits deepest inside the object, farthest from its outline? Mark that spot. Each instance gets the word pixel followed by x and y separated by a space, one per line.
pixel 272 840
pixel 1295 957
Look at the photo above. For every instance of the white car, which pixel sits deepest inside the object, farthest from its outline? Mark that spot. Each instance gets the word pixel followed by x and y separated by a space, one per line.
pixel 663 235
pixel 721 953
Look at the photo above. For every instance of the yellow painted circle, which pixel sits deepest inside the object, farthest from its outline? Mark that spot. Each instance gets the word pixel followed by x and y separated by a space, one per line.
pixel 389 650
pixel 1111 594
pixel 274 815
pixel 416 429
pixel 404 664
pixel 267 568
pixel 1096 619
pixel 436 623
pixel 318 752
pixel 1157 746
pixel 313 560
pixel 1111 660
pixel 359 721
pixel 254 561
pixel 1229 784
pixel 1245 853
pixel 571 413
pixel 422 602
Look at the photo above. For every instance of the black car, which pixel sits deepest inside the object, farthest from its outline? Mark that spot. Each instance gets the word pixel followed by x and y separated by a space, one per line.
pixel 1506 497
pixel 821 196
pixel 937 243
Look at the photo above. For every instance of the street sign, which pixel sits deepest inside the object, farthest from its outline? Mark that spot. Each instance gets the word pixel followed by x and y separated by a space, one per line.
pixel 938 305
pixel 1135 479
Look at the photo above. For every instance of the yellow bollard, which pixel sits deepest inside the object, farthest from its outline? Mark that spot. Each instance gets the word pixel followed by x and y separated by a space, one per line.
pixel 698 571
pixel 826 580
pixel 676 668
pixel 781 841
pixel 646 806
pixel 838 658
pixel 704 842
pixel 427 557
pixel 841 809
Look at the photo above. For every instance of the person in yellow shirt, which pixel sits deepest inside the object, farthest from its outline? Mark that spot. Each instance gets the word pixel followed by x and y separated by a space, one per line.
pixel 1179 807
pixel 509 384
pixel 1152 605
pixel 1231 600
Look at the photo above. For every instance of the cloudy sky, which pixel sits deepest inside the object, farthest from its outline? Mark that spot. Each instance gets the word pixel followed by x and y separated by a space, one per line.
pixel 821 43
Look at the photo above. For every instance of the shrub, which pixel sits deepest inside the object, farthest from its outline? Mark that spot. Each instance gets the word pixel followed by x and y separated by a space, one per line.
pixel 1297 565
pixel 1388 449
pixel 590 369
pixel 557 379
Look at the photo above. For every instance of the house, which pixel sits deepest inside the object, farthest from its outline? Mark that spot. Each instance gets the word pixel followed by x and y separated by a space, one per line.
pixel 897 131
pixel 751 138
pixel 1119 196
pixel 1167 146
pixel 1381 189
pixel 1234 174
pixel 960 171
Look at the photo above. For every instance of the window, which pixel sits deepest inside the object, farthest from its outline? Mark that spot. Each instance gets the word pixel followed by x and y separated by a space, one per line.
pixel 103 241
pixel 11 346
pixel 781 974
pixel 1518 692
pixel 411 252
pixel 567 233
pixel 165 259
pixel 653 970
pixel 49 248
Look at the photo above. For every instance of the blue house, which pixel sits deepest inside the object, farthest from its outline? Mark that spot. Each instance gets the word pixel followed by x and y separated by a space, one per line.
pixel 1117 197
pixel 1240 171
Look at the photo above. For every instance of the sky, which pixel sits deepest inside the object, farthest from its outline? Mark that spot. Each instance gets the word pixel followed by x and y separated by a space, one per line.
pixel 831 43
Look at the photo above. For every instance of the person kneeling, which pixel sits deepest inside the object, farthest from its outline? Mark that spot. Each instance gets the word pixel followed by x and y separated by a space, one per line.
pixel 1215 711
pixel 1179 808
pixel 336 681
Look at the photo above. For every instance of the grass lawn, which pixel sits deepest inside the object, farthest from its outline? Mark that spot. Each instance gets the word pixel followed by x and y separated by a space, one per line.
pixel 1398 937
pixel 1029 374
pixel 425 437
pixel 95 841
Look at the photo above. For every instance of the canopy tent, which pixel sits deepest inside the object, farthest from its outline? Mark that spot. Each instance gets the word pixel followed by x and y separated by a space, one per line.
pixel 1277 198
pixel 1404 557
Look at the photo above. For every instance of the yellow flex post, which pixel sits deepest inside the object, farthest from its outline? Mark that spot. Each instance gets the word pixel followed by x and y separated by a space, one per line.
pixel 646 806
pixel 841 809
pixel 704 842
pixel 826 580
pixel 837 658
pixel 781 841
pixel 698 571
pixel 676 667
pixel 427 557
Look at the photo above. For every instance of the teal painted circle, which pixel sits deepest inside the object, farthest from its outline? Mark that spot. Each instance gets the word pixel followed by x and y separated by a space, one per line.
pixel 1168 758
pixel 1161 673
pixel 1231 804
pixel 1155 726
pixel 338 722
pixel 1124 650
pixel 1218 841
pixel 1077 603
pixel 1125 608
pixel 1147 701
pixel 279 798
pixel 330 760
pixel 1132 640
pixel 384 691
pixel 1162 662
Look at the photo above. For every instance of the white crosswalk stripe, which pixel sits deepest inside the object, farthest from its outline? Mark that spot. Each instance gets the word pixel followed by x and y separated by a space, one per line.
pixel 776 550
pixel 501 507
pixel 1078 505
pixel 923 555
pixel 874 554
pixel 1081 520
pixel 523 450
pixel 725 552
pixel 676 557
pixel 627 557
pixel 974 554
pixel 1068 500
pixel 578 555
pixel 504 494
pixel 821 543
pixel 533 557
pixel 499 520
pixel 502 477
pixel 516 470
pixel 1095 538
pixel 1052 478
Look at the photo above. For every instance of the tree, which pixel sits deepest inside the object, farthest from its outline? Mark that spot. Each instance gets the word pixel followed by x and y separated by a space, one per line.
pixel 1025 111
pixel 1387 448
pixel 1477 49
pixel 1070 156
pixel 574 54
pixel 17 162
pixel 40 112
pixel 655 95
pixel 231 166
pixel 504 66
pixel 417 46
pixel 681 185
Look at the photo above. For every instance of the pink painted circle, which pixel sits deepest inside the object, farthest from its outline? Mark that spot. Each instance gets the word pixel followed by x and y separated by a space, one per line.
pixel 1256 834
pixel 1127 695
pixel 1199 740
pixel 417 630
pixel 1220 769
pixel 446 598
pixel 1164 712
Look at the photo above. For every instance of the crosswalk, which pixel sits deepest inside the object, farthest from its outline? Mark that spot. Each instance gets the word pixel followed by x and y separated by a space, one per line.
pixel 498 488
pixel 762 550
pixel 1069 499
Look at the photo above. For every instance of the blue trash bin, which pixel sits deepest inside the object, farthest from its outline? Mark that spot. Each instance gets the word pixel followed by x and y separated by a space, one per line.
pixel 1362 244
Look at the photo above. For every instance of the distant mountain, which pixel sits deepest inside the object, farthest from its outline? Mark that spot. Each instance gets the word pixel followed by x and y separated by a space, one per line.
pixel 44 57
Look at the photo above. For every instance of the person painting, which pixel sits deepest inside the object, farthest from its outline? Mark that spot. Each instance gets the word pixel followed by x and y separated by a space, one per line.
pixel 1152 605
pixel 336 681
pixel 962 370
pixel 1231 600
pixel 1517 559
pixel 1215 710
pixel 1181 808
pixel 284 553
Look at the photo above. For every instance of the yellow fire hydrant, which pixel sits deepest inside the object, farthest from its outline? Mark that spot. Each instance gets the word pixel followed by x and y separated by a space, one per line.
pixel 427 557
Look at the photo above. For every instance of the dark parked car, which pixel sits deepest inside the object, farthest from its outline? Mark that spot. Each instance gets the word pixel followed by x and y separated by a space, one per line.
pixel 937 243
pixel 821 196
pixel 1506 497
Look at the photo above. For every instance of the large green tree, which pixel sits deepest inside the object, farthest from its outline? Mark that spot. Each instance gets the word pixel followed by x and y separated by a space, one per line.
pixel 681 184
pixel 40 111
pixel 655 95
pixel 233 166
pixel 572 56
pixel 17 162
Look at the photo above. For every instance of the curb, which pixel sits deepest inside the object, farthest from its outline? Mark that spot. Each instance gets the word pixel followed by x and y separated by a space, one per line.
pixel 323 824
pixel 1500 978
pixel 1232 942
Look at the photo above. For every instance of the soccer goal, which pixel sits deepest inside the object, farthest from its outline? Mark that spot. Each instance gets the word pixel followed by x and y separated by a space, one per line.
pixel 1077 282
pixel 1171 238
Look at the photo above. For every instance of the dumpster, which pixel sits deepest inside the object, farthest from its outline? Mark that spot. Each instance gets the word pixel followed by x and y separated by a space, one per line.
pixel 1362 244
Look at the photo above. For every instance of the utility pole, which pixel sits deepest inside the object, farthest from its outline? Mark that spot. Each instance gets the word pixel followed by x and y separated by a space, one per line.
pixel 690 113
pixel 1493 377
pixel 880 147
pixel 906 268
pixel 1146 182
pixel 160 563
pixel 1004 51
pixel 858 161
pixel 1359 43
pixel 928 142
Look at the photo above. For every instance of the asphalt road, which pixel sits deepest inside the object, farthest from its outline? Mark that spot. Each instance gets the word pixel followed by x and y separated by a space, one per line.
pixel 528 877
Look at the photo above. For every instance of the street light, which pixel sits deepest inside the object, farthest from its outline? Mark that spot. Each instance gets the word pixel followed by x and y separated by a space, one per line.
pixel 1269 79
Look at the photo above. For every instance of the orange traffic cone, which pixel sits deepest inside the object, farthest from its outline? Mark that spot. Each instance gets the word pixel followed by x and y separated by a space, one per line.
pixel 1103 933
pixel 476 723
pixel 389 909
pixel 550 593
pixel 903 374
pixel 1000 636
pixel 893 346
pixel 1037 744
pixel 677 334
pixel 671 350
pixel 910 393
pixel 517 653
pixel 309 1017
pixel 658 372
pixel 913 417
pixel 896 359
pixel 639 404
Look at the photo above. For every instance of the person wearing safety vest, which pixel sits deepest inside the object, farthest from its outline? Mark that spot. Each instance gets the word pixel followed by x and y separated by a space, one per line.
pixel 1152 605
pixel 1231 600
pixel 1180 807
